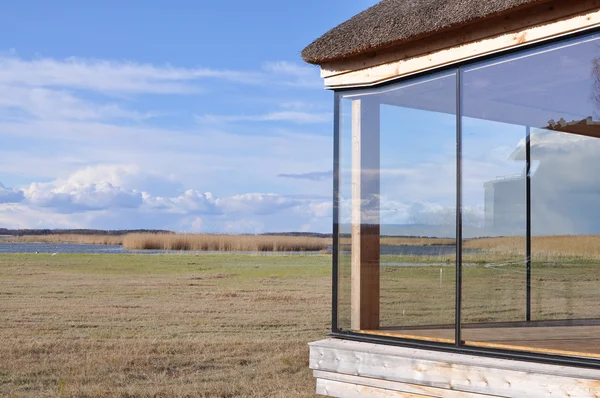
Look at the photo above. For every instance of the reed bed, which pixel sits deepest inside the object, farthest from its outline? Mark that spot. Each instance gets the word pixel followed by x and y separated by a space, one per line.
pixel 67 238
pixel 235 243
pixel 542 247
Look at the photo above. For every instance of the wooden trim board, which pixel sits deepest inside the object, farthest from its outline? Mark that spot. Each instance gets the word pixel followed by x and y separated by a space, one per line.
pixel 531 349
pixel 329 383
pixel 406 336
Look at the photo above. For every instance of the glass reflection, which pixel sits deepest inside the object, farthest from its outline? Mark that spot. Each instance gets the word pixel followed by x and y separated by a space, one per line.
pixel 552 94
pixel 530 204
pixel 397 209
pixel 344 209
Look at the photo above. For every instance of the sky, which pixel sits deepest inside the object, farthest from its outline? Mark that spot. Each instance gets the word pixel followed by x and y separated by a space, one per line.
pixel 202 117
pixel 182 115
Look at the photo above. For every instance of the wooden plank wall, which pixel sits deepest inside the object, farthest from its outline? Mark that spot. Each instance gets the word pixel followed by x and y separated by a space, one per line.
pixel 434 373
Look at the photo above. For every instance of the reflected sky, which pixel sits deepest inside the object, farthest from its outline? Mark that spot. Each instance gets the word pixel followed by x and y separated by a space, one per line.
pixel 555 87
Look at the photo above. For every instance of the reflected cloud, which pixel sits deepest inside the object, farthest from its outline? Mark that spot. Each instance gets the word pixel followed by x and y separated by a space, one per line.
pixel 313 176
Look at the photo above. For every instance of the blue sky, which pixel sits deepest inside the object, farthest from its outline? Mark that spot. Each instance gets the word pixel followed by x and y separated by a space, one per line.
pixel 202 117
pixel 185 115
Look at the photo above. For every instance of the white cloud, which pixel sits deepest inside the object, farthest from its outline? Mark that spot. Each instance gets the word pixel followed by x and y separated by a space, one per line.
pixel 22 216
pixel 110 76
pixel 129 77
pixel 72 129
pixel 112 197
pixel 312 176
pixel 129 177
pixel 257 203
pixel 190 202
pixel 49 104
pixel 299 75
pixel 74 198
pixel 288 68
pixel 97 188
pixel 281 116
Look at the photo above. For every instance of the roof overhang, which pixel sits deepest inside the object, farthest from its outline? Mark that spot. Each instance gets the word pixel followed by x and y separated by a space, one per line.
pixel 525 26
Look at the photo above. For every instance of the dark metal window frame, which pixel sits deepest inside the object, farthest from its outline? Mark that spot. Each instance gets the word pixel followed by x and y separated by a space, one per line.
pixel 458 346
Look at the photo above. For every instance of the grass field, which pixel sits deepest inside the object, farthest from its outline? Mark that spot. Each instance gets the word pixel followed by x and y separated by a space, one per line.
pixel 232 325
pixel 160 325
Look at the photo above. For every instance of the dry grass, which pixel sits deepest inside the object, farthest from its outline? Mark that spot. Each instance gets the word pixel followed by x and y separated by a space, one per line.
pixel 67 238
pixel 399 241
pixel 160 326
pixel 237 243
pixel 409 241
pixel 227 325
pixel 542 247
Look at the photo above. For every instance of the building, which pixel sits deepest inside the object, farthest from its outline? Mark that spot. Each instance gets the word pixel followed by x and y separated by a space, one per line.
pixel 430 99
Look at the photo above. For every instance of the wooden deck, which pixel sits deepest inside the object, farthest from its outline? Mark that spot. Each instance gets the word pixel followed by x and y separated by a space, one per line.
pixel 573 338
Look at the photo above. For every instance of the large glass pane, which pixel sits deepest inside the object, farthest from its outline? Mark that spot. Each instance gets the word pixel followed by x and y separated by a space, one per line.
pixel 344 213
pixel 550 95
pixel 494 224
pixel 397 209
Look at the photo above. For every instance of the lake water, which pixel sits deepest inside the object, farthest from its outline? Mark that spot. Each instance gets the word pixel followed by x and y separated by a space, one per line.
pixel 68 248
pixel 109 249
pixel 59 248
pixel 418 250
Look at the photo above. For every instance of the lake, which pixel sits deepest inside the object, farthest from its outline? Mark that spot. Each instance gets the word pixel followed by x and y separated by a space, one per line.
pixel 110 249
pixel 59 248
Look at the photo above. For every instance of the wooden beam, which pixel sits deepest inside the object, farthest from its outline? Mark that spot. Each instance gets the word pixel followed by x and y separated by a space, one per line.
pixel 330 383
pixel 463 52
pixel 365 214
pixel 409 336
pixel 525 347
pixel 334 388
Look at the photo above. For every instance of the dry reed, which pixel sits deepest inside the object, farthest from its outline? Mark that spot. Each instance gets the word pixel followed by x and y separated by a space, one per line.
pixel 236 243
pixel 577 246
pixel 407 241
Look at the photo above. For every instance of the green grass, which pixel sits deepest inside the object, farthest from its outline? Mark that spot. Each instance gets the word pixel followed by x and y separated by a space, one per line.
pixel 170 263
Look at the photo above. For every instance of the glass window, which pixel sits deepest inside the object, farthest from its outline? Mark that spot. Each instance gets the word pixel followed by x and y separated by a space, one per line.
pixel 545 296
pixel 530 203
pixel 397 209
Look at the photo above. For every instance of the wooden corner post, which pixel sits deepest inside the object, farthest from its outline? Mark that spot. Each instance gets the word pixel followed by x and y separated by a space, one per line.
pixel 365 214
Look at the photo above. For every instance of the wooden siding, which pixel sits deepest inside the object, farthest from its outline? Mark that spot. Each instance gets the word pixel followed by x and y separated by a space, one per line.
pixel 433 373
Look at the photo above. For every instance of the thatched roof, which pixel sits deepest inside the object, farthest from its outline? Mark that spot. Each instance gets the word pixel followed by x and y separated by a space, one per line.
pixel 392 22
